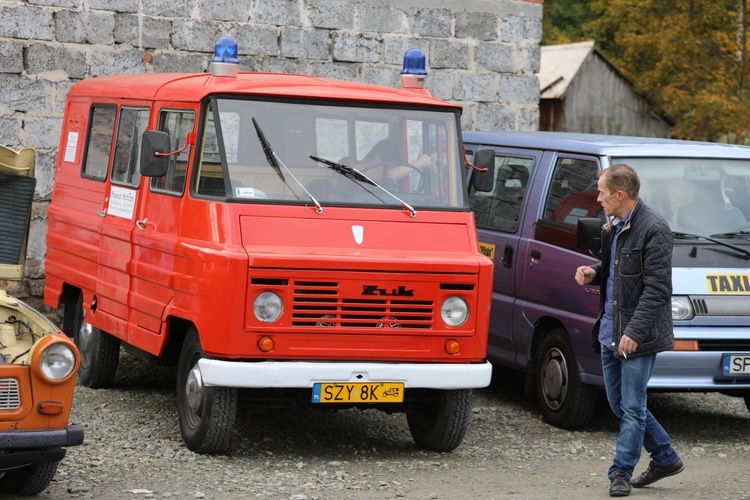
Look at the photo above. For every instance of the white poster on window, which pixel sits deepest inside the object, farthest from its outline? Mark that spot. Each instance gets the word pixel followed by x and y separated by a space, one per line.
pixel 122 202
pixel 71 146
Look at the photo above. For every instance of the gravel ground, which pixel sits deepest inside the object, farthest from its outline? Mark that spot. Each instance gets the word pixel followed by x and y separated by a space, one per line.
pixel 133 450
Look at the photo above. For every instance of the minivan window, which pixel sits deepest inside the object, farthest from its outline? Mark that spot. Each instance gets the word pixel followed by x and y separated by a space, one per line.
pixel 177 124
pixel 126 165
pixel 99 143
pixel 572 195
pixel 500 209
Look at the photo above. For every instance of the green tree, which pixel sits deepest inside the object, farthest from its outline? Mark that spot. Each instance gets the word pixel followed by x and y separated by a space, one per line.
pixel 687 57
pixel 563 20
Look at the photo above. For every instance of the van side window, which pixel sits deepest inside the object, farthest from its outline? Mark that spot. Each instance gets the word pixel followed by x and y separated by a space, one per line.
pixel 210 168
pixel 571 196
pixel 177 124
pixel 99 142
pixel 500 209
pixel 126 165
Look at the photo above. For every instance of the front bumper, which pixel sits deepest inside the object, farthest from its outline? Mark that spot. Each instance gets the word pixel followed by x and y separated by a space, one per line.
pixel 22 448
pixel 694 370
pixel 303 374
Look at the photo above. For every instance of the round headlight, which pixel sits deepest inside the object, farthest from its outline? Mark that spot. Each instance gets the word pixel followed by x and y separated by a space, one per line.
pixel 682 308
pixel 58 361
pixel 268 307
pixel 454 311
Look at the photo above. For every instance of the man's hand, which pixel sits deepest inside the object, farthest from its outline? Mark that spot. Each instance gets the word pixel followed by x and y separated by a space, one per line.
pixel 627 346
pixel 585 274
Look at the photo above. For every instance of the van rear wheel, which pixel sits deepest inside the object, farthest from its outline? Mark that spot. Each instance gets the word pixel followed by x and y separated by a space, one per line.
pixel 206 414
pixel 100 351
pixel 565 401
pixel 438 419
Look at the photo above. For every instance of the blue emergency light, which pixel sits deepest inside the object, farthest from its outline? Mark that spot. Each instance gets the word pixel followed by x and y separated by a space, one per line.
pixel 225 62
pixel 413 74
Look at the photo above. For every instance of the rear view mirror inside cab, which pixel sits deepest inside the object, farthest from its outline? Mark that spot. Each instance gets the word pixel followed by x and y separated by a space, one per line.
pixel 590 234
pixel 153 165
pixel 483 181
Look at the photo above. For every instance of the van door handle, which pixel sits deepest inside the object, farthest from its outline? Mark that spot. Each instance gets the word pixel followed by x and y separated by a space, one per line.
pixel 141 224
pixel 535 256
pixel 508 256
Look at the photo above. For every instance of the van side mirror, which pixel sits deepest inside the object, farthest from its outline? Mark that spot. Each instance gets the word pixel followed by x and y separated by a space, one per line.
pixel 484 181
pixel 153 165
pixel 589 234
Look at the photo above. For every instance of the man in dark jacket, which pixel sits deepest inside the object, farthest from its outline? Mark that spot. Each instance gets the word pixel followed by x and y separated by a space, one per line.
pixel 634 323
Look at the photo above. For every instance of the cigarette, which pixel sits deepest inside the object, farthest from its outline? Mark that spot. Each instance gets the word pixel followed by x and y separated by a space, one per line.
pixel 625 355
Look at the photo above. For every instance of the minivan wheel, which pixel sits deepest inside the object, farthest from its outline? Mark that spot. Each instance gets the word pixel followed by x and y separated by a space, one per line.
pixel 206 414
pixel 438 419
pixel 565 401
pixel 100 351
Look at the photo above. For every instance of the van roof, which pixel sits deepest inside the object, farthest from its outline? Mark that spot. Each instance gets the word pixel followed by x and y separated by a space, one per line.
pixel 193 87
pixel 607 145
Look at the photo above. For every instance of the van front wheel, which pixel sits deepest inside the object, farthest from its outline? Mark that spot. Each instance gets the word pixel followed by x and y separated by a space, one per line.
pixel 565 401
pixel 438 419
pixel 29 480
pixel 206 413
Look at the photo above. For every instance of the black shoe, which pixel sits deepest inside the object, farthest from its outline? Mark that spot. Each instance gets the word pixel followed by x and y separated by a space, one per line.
pixel 620 486
pixel 656 472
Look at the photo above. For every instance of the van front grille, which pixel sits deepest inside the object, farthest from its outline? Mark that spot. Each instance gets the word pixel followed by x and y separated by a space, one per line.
pixel 10 396
pixel 322 303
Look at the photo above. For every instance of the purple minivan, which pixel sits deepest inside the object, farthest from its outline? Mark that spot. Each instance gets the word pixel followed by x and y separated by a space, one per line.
pixel 527 207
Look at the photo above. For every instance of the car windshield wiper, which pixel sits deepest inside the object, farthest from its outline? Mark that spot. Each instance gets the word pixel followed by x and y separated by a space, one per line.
pixel 277 164
pixel 359 177
pixel 743 251
pixel 733 234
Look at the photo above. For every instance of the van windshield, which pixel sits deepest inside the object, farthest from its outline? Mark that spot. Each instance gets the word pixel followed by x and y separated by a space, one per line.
pixel 706 197
pixel 412 153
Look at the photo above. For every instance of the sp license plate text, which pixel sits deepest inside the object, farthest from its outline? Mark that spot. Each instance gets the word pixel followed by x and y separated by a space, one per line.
pixel 359 392
pixel 736 365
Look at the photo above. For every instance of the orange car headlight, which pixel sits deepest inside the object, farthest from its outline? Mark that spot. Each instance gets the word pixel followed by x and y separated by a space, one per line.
pixel 54 359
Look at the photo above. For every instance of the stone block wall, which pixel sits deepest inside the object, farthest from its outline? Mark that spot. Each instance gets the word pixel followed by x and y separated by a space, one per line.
pixel 481 54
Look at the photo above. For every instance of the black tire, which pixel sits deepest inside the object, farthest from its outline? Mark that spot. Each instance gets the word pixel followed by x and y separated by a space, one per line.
pixel 565 401
pixel 29 480
pixel 438 419
pixel 206 414
pixel 100 351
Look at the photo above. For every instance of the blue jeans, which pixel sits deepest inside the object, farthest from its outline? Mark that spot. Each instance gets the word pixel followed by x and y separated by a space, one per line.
pixel 625 381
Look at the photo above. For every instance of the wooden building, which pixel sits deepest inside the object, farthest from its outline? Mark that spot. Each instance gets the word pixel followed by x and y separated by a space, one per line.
pixel 581 91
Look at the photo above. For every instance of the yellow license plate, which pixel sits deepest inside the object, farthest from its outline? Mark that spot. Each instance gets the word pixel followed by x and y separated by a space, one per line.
pixel 358 392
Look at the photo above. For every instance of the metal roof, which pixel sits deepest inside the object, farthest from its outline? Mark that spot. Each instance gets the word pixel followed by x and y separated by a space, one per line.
pixel 559 65
pixel 607 145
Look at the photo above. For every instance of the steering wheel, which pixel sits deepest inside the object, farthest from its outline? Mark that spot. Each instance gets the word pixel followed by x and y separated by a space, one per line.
pixel 389 183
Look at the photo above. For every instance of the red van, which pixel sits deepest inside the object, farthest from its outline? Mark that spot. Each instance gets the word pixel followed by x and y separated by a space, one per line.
pixel 276 234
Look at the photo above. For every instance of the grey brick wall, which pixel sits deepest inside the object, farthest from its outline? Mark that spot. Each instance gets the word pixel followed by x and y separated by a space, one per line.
pixel 481 54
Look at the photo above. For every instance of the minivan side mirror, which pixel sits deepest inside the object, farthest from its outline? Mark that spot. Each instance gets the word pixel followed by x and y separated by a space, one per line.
pixel 589 234
pixel 484 159
pixel 153 165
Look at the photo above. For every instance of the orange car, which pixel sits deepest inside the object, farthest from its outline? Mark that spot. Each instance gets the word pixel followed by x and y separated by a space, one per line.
pixel 38 363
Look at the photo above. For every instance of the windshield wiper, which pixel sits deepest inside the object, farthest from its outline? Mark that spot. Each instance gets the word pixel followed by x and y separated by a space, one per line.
pixel 276 163
pixel 743 251
pixel 733 234
pixel 359 177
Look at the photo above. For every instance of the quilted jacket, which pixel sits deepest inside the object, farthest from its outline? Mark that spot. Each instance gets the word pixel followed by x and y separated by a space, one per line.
pixel 643 281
